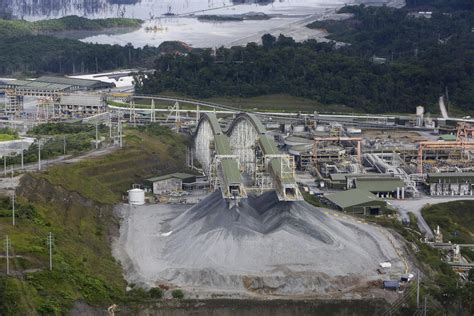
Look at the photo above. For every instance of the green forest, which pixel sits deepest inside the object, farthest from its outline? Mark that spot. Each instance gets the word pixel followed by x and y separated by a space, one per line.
pixel 416 61
pixel 27 50
pixel 14 28
pixel 380 60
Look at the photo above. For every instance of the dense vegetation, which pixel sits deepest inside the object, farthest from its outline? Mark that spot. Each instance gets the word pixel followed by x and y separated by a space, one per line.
pixel 74 202
pixel 13 28
pixel 441 4
pixel 456 221
pixel 26 50
pixel 55 139
pixel 446 292
pixel 37 54
pixel 424 58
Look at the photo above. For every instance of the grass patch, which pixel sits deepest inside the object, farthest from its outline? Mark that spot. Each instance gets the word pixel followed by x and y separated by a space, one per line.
pixel 7 137
pixel 440 282
pixel 311 199
pixel 269 103
pixel 151 152
pixel 279 103
pixel 455 219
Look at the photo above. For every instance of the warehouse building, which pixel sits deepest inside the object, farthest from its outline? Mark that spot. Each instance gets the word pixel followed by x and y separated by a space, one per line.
pixel 76 84
pixel 382 185
pixel 450 183
pixel 356 201
pixel 170 183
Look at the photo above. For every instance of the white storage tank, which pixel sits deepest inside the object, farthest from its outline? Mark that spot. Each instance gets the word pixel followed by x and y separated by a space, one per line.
pixel 136 197
pixel 298 128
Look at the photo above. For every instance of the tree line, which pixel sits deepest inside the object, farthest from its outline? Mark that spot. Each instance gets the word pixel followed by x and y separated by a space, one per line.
pixel 392 62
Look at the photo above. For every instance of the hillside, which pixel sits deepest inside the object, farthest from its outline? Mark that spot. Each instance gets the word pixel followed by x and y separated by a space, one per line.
pixel 455 219
pixel 74 202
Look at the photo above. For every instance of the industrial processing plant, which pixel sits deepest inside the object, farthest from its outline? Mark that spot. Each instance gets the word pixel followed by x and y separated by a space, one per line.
pixel 269 203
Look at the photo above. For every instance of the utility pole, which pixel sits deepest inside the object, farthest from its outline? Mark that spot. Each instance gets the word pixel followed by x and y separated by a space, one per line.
pixel 22 166
pixel 424 309
pixel 64 147
pixel 96 136
pixel 13 208
pixel 50 244
pixel 5 165
pixel 39 154
pixel 418 289
pixel 120 133
pixel 7 247
pixel 110 126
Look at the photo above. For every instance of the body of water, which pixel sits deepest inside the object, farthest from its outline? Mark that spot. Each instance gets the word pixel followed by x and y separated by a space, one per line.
pixel 167 20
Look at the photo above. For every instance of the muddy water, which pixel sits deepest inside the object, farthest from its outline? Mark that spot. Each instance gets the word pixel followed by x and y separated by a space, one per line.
pixel 152 9
pixel 176 20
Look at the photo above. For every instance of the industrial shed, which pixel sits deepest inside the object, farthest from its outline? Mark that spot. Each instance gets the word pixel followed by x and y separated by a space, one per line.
pixel 450 183
pixel 76 84
pixel 383 187
pixel 170 182
pixel 356 201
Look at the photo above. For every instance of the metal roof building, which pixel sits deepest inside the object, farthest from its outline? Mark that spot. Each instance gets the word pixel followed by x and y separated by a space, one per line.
pixel 451 183
pixel 76 84
pixel 170 182
pixel 373 182
pixel 450 177
pixel 379 185
pixel 356 201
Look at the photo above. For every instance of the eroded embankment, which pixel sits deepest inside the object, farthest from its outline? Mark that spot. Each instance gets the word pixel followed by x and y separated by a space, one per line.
pixel 83 267
pixel 232 307
pixel 264 246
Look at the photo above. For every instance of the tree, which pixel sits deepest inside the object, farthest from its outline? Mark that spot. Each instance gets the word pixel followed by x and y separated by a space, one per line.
pixel 268 40
pixel 156 292
pixel 178 294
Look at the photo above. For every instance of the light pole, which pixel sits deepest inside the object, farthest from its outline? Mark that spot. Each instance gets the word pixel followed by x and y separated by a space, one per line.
pixel 64 147
pixel 39 154
pixel 22 163
pixel 13 209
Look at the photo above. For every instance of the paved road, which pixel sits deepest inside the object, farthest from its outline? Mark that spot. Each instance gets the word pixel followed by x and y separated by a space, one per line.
pixel 415 206
pixel 8 184
pixel 68 159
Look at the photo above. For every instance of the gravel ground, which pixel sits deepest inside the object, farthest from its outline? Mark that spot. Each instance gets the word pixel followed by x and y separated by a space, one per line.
pixel 263 246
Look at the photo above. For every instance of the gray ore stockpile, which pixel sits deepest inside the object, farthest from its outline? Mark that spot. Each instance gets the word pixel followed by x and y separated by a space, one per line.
pixel 263 245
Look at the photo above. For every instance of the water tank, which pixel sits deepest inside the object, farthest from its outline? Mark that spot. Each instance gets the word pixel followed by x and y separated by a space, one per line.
pixel 136 197
pixel 298 128
pixel 420 110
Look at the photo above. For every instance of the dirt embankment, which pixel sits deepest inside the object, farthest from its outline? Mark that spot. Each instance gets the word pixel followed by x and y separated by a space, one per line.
pixel 83 267
pixel 228 307
pixel 69 206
